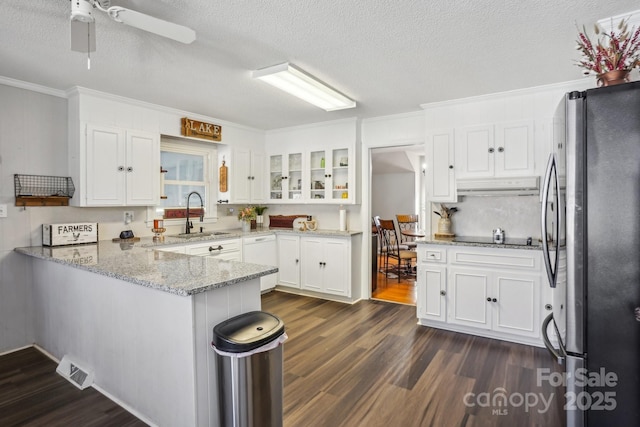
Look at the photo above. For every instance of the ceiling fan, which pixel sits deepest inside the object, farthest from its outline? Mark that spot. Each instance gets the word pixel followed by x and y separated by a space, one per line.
pixel 83 36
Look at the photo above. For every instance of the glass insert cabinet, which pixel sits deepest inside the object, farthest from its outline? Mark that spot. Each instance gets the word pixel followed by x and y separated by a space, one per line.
pixel 313 176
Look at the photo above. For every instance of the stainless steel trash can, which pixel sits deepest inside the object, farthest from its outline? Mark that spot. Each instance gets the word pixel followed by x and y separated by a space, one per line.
pixel 249 355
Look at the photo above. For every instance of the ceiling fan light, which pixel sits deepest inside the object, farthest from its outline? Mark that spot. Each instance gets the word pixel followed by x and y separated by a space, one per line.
pixel 81 11
pixel 296 82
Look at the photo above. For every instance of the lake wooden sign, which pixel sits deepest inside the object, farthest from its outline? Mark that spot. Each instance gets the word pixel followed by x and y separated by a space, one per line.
pixel 202 130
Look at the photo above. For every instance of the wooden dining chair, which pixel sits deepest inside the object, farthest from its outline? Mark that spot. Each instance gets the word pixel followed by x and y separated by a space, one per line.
pixel 394 250
pixel 407 222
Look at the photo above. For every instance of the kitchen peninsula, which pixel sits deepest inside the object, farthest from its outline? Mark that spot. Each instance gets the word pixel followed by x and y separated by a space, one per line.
pixel 141 320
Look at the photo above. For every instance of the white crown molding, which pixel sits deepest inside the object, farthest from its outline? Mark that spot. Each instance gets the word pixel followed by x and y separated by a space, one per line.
pixel 634 20
pixel 7 81
pixel 581 84
pixel 399 116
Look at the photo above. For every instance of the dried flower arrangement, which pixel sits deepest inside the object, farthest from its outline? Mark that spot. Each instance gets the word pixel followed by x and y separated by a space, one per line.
pixel 445 212
pixel 247 214
pixel 614 50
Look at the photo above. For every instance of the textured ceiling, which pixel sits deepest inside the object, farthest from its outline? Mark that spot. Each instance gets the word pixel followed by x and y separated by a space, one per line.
pixel 390 56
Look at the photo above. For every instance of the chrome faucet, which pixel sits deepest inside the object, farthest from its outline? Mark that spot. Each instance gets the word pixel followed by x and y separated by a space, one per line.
pixel 189 225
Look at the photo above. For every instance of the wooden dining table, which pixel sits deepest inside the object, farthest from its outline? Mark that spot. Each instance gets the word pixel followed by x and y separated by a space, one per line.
pixel 413 233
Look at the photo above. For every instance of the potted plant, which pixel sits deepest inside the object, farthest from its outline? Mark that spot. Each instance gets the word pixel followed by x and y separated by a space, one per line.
pixel 614 54
pixel 259 214
pixel 246 215
pixel 444 223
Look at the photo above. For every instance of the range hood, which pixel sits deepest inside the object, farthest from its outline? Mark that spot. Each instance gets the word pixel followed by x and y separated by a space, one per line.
pixel 521 186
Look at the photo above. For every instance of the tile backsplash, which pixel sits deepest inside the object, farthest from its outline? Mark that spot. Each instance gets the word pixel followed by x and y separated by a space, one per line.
pixel 519 216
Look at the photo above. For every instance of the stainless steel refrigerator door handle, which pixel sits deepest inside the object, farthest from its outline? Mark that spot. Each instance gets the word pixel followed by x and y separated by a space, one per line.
pixel 558 354
pixel 552 171
pixel 637 313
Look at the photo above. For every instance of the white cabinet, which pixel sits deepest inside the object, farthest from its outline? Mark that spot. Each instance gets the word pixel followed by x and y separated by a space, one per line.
pixel 288 260
pixel 500 150
pixel 117 167
pixel 329 172
pixel 482 291
pixel 322 175
pixel 286 177
pixel 440 170
pixel 247 173
pixel 326 265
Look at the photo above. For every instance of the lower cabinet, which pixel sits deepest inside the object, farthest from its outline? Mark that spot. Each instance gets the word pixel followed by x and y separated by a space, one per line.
pixel 315 263
pixel 289 260
pixel 482 291
pixel 326 265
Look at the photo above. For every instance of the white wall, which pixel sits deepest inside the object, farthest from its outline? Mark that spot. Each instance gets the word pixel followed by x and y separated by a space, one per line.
pixel 392 193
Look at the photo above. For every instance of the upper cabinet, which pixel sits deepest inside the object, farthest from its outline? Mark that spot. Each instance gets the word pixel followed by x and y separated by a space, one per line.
pixel 246 176
pixel 440 169
pixel 115 167
pixel 495 150
pixel 322 172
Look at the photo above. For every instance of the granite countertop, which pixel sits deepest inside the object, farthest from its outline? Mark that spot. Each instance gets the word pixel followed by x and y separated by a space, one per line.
pixel 484 242
pixel 139 263
pixel 180 274
pixel 237 233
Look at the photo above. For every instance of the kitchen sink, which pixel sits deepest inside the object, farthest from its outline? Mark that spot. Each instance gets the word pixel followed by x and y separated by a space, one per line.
pixel 203 234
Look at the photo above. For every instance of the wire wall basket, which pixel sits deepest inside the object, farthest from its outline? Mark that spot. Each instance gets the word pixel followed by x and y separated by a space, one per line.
pixel 41 190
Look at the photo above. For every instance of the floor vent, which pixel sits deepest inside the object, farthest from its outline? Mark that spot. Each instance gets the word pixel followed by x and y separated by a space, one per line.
pixel 76 375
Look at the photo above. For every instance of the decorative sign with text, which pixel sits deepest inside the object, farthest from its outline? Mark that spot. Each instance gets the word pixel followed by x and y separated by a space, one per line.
pixel 201 130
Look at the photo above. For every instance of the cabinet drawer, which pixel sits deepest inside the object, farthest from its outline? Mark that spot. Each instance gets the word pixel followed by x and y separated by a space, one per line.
pixel 202 249
pixel 433 255
pixel 521 259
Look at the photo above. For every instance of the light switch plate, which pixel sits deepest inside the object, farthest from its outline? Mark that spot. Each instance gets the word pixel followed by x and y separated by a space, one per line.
pixel 3 211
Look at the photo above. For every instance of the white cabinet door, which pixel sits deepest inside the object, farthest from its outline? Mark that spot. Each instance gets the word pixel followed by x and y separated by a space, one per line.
pixel 142 168
pixel 122 167
pixel 240 174
pixel 432 289
pixel 336 271
pixel 105 164
pixel 514 149
pixel 440 166
pixel 258 176
pixel 312 251
pixel 474 152
pixel 517 305
pixel 289 260
pixel 468 292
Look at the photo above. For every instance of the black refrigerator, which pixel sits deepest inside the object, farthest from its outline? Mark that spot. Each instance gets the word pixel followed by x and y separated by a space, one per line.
pixel 591 214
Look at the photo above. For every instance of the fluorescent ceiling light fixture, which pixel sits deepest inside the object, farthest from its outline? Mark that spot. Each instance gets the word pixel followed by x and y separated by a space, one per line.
pixel 293 80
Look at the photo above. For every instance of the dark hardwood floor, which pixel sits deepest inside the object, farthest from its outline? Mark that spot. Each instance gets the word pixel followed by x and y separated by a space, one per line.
pixel 366 364
pixel 370 364
pixel 33 394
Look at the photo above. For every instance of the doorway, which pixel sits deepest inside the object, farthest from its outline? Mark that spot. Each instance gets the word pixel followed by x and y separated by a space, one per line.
pixel 397 187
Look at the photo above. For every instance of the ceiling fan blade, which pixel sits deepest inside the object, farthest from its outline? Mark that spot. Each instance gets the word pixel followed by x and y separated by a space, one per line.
pixel 83 36
pixel 153 25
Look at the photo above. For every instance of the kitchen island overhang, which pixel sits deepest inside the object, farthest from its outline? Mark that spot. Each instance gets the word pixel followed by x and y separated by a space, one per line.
pixel 142 320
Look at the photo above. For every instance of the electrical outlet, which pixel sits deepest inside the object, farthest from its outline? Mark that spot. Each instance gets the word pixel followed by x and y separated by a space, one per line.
pixel 128 217
pixel 3 211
